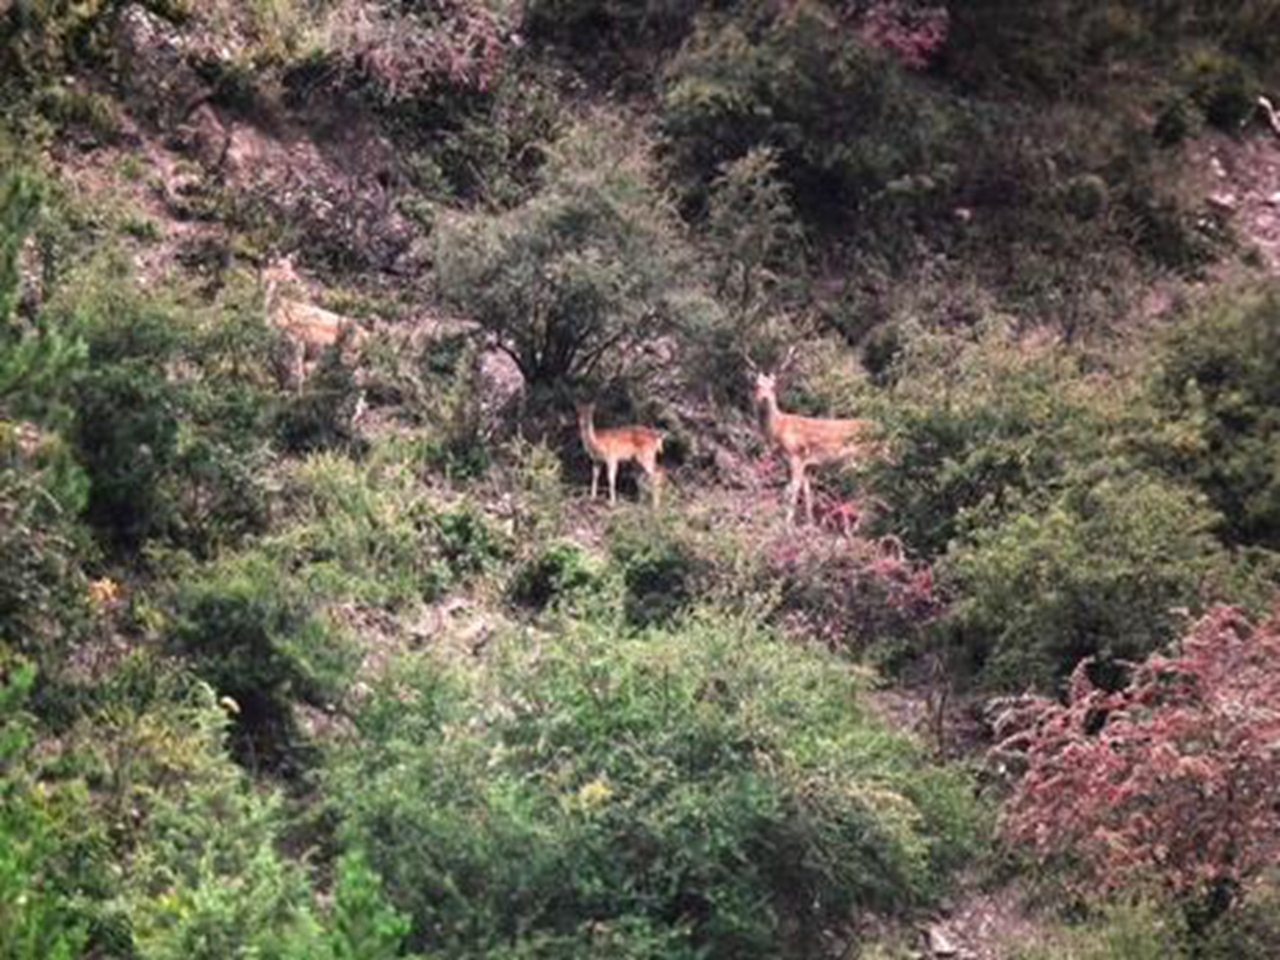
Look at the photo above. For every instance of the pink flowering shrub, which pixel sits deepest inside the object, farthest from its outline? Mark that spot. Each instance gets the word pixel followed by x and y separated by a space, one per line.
pixel 1175 778
pixel 848 592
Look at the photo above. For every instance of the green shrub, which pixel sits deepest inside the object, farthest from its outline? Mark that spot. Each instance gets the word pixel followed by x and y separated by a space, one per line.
pixel 616 28
pixel 359 531
pixel 321 415
pixel 1250 931
pixel 42 586
pixel 359 923
pixel 42 489
pixel 1125 931
pixel 756 241
pixel 1220 87
pixel 664 568
pixel 20 200
pixel 467 543
pixel 37 919
pixel 453 405
pixel 1106 569
pixel 712 792
pixel 556 573
pixel 978 424
pixel 1215 393
pixel 256 635
pixel 81 112
pixel 843 119
pixel 171 448
pixel 203 877
pixel 492 150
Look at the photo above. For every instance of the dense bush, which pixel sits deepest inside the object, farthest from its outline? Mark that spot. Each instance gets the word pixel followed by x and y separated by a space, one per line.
pixel 554 574
pixel 1171 778
pixel 1107 570
pixel 42 586
pixel 843 118
pixel 1216 393
pixel 42 488
pixel 713 792
pixel 616 27
pixel 1054 48
pixel 665 568
pixel 979 424
pixel 359 531
pixel 37 919
pixel 257 636
pixel 205 879
pixel 1251 931
pixel 321 415
pixel 170 440
pixel 1123 931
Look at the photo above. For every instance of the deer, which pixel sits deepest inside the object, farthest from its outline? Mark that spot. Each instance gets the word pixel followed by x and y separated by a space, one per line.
pixel 617 445
pixel 804 441
pixel 310 329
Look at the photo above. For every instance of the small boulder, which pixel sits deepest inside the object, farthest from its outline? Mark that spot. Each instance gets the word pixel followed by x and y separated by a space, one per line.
pixel 940 942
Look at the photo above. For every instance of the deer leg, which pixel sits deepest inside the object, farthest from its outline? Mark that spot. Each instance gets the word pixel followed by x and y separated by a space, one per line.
pixel 654 473
pixel 793 490
pixel 595 478
pixel 612 467
pixel 807 487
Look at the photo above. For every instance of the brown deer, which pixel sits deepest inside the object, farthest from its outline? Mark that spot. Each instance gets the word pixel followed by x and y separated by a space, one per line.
pixel 310 329
pixel 805 441
pixel 618 445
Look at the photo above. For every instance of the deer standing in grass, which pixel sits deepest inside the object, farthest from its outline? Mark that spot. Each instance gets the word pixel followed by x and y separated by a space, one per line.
pixel 310 329
pixel 805 441
pixel 618 445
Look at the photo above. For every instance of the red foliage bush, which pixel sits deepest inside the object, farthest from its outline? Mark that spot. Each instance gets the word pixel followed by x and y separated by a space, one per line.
pixel 850 591
pixel 913 34
pixel 1175 778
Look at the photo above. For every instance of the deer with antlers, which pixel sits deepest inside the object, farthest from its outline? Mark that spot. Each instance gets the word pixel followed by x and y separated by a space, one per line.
pixel 618 445
pixel 805 441
pixel 311 330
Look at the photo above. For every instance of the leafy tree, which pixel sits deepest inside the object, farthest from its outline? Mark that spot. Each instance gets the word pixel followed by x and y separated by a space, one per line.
pixel 577 279
pixel 1174 778
pixel 755 236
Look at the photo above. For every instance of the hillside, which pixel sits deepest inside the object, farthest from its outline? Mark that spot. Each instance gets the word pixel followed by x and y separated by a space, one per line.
pixel 955 629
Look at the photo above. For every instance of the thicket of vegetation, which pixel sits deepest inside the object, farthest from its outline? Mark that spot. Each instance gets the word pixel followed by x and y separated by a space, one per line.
pixel 343 669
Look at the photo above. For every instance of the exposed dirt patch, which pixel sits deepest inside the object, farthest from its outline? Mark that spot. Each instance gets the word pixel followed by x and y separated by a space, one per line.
pixel 1241 179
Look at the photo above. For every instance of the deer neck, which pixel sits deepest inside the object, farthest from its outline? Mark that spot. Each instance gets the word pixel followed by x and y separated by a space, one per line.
pixel 587 428
pixel 769 416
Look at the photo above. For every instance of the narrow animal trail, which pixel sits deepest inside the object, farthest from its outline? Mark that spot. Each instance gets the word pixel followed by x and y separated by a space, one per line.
pixel 984 917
